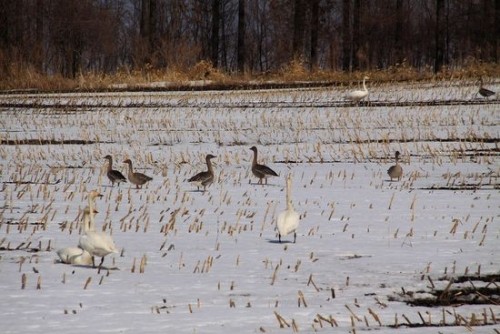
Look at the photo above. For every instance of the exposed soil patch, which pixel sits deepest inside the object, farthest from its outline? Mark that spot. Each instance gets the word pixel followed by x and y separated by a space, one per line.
pixel 467 294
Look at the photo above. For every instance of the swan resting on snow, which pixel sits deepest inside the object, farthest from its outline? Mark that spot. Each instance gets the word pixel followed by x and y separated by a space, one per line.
pixel 76 255
pixel 288 220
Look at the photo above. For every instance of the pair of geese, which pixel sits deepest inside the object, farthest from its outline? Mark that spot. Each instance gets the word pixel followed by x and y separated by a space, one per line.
pixel 92 243
pixel 139 179
pixel 206 178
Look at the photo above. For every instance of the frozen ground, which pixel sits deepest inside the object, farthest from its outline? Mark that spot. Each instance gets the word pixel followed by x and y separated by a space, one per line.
pixel 211 261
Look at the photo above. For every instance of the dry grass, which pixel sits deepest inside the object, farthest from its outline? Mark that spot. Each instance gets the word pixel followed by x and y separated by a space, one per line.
pixel 203 73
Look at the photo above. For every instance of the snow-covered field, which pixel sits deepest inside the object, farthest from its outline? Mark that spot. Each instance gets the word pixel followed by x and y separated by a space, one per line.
pixel 194 262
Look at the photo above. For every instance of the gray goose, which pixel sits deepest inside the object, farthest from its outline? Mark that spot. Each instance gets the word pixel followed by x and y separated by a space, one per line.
pixel 484 92
pixel 396 171
pixel 260 171
pixel 113 174
pixel 136 178
pixel 204 178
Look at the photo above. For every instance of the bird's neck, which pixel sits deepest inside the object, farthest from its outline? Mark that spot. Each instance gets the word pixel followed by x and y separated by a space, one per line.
pixel 254 162
pixel 209 165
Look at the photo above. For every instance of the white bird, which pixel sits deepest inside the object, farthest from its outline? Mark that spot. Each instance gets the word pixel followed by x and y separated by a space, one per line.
pixel 76 255
pixel 358 95
pixel 96 243
pixel 288 220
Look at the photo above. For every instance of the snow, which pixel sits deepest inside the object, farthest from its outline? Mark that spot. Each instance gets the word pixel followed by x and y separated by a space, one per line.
pixel 212 263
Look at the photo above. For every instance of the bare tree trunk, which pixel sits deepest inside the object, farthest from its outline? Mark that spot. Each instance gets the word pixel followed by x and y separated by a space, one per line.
pixel 346 35
pixel 438 37
pixel 314 33
pixel 497 31
pixel 356 35
pixel 298 28
pixel 398 34
pixel 241 36
pixel 215 33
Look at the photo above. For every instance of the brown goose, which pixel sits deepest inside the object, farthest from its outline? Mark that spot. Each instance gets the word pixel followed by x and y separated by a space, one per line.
pixel 484 92
pixel 204 178
pixel 260 171
pixel 396 171
pixel 113 174
pixel 136 178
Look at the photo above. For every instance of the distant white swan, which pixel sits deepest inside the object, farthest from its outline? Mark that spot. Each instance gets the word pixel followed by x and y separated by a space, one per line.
pixel 358 95
pixel 96 243
pixel 288 220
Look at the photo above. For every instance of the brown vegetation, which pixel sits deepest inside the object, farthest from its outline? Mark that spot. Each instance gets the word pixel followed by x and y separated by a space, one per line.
pixel 93 44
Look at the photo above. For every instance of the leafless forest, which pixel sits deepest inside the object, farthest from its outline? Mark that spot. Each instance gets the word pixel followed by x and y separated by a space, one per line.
pixel 67 38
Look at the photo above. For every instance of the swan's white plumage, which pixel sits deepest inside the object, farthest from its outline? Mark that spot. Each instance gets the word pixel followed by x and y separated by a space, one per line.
pixel 288 220
pixel 358 95
pixel 96 243
pixel 74 256
pixel 77 255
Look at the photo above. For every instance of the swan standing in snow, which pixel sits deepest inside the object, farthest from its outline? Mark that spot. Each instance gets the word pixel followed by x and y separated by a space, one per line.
pixel 77 255
pixel 260 171
pixel 136 178
pixel 396 171
pixel 204 178
pixel 358 95
pixel 113 174
pixel 288 220
pixel 96 243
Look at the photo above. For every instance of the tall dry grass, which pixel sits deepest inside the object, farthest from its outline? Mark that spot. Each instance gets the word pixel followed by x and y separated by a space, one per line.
pixel 296 71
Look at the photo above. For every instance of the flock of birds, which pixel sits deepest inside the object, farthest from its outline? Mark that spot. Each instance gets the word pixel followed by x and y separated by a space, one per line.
pixel 93 243
pixel 358 95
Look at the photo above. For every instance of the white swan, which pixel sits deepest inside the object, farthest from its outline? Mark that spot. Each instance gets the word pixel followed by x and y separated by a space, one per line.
pixel 76 255
pixel 288 220
pixel 96 243
pixel 358 95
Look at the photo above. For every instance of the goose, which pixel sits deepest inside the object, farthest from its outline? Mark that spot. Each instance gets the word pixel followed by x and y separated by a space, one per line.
pixel 358 95
pixel 136 178
pixel 484 92
pixel 204 178
pixel 395 171
pixel 96 243
pixel 260 171
pixel 76 255
pixel 113 174
pixel 288 220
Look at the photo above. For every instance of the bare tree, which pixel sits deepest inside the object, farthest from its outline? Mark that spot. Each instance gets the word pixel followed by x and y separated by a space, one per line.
pixel 215 32
pixel 241 36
